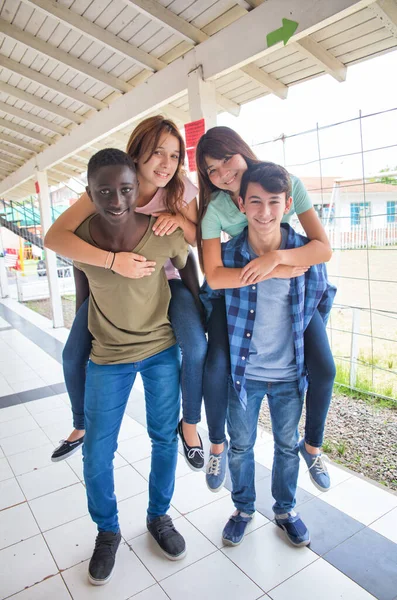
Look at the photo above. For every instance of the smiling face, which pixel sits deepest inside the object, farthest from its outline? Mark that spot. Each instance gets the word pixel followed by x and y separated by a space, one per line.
pixel 114 191
pixel 158 168
pixel 226 173
pixel 264 210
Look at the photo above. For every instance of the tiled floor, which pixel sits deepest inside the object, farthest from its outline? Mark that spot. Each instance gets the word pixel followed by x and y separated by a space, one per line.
pixel 46 535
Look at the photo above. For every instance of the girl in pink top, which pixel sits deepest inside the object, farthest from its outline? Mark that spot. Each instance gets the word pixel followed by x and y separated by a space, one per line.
pixel 158 151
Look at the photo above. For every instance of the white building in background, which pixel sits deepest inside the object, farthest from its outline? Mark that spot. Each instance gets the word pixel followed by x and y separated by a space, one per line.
pixel 354 213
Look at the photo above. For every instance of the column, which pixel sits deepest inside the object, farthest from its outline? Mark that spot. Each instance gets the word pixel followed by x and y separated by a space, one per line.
pixel 50 256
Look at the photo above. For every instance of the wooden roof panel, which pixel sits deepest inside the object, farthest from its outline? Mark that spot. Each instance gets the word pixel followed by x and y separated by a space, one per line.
pixel 360 35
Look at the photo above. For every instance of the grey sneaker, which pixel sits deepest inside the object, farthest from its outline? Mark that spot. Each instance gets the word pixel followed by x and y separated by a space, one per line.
pixel 215 475
pixel 170 541
pixel 317 468
pixel 102 562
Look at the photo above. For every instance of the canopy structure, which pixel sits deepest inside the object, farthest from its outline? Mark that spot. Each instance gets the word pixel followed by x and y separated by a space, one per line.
pixel 77 74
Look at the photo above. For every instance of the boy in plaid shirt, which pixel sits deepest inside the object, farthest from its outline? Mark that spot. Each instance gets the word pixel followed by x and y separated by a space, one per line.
pixel 266 322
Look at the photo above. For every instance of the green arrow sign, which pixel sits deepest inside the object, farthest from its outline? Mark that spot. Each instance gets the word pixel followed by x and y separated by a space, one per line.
pixel 283 34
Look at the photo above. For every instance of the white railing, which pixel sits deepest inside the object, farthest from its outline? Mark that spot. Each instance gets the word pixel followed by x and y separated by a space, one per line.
pixel 362 236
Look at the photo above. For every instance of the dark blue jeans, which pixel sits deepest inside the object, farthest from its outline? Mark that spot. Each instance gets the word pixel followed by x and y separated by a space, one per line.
pixel 319 362
pixel 216 372
pixel 107 390
pixel 189 332
pixel 285 404
pixel 74 359
pixel 190 335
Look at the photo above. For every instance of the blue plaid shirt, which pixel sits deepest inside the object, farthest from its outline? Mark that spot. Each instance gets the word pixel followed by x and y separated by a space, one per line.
pixel 307 293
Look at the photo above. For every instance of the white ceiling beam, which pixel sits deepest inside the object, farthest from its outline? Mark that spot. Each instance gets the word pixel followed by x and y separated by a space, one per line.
pixel 155 11
pixel 193 35
pixel 44 139
pixel 63 57
pixel 228 105
pixel 40 103
pixel 267 81
pixel 176 114
pixel 170 83
pixel 64 171
pixel 322 57
pixel 81 167
pixel 96 33
pixel 30 118
pixel 52 84
pixel 249 4
pixel 10 150
pixel 17 142
pixel 386 11
pixel 11 161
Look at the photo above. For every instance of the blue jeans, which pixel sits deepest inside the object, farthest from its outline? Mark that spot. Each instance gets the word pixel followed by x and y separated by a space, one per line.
pixel 74 359
pixel 189 332
pixel 216 372
pixel 320 366
pixel 319 363
pixel 107 390
pixel 285 404
pixel 190 335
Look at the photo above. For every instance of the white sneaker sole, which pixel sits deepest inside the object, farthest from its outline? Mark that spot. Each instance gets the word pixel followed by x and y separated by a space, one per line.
pixel 98 582
pixel 68 455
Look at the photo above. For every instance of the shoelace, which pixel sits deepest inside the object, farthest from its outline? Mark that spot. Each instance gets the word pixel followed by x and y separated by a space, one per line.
pixel 193 451
pixel 214 464
pixel 165 525
pixel 319 465
pixel 104 544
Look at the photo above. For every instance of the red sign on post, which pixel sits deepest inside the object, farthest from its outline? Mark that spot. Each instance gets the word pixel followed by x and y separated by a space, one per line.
pixel 37 187
pixel 193 132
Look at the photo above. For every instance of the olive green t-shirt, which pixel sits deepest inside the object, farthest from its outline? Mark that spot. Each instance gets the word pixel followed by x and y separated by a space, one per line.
pixel 128 318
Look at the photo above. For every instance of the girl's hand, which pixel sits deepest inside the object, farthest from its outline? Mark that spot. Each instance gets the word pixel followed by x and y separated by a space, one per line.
pixel 166 223
pixel 258 268
pixel 286 272
pixel 133 266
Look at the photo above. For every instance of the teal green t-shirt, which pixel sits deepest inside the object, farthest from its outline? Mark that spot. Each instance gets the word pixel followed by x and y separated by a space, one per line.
pixel 223 215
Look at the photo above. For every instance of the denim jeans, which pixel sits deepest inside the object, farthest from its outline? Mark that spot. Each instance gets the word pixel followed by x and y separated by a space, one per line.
pixel 321 374
pixel 107 390
pixel 319 363
pixel 74 359
pixel 285 404
pixel 190 335
pixel 189 332
pixel 216 372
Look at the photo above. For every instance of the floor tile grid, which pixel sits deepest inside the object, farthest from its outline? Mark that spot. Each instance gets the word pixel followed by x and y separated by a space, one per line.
pixel 214 500
pixel 376 519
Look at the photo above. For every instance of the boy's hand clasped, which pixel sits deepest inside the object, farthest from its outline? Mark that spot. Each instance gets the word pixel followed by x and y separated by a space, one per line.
pixel 266 267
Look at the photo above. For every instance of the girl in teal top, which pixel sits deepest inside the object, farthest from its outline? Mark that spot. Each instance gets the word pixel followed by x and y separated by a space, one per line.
pixel 222 157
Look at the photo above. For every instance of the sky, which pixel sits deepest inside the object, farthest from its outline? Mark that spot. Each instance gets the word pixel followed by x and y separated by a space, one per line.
pixel 370 86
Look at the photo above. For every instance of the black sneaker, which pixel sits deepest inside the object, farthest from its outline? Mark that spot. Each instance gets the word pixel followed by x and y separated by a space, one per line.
pixel 102 561
pixel 194 455
pixel 66 449
pixel 170 541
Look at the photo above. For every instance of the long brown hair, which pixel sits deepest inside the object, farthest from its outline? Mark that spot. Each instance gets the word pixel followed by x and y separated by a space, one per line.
pixel 145 139
pixel 217 142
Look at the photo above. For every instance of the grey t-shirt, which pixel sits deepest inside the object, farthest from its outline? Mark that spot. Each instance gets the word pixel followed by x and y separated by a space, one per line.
pixel 272 353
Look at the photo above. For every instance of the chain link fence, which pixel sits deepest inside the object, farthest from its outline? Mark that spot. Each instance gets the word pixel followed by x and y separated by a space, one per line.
pixel 350 171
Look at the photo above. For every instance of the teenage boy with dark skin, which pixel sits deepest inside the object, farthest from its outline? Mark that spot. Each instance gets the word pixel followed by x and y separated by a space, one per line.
pixel 266 322
pixel 131 334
